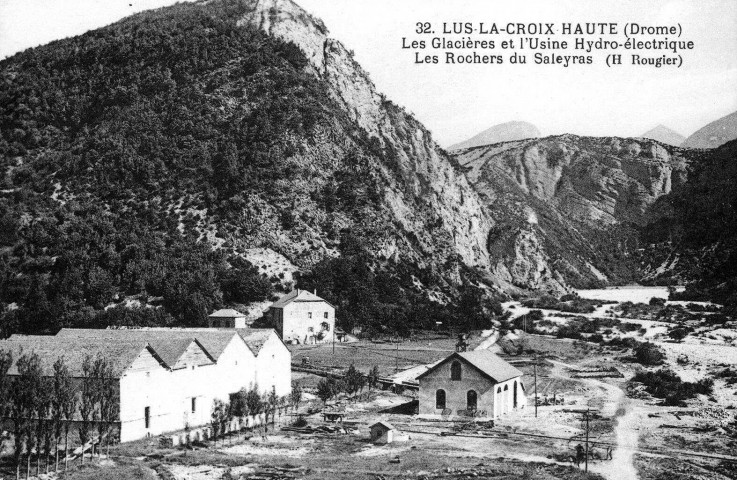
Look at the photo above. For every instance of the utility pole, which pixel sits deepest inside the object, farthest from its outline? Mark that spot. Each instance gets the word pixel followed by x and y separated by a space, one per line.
pixel 396 358
pixel 535 370
pixel 333 340
pixel 586 469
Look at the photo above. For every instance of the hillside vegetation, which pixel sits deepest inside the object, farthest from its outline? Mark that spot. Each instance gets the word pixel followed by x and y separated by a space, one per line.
pixel 142 159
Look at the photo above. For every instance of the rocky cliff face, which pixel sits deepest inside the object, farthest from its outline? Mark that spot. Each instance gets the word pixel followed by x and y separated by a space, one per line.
pixel 576 196
pixel 426 172
pixel 593 180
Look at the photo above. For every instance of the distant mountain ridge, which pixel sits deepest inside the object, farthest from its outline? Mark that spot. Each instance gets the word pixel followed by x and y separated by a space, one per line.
pixel 663 134
pixel 568 209
pixel 714 134
pixel 504 132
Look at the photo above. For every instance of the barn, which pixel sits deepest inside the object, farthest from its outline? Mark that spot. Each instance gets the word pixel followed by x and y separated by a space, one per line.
pixel 167 379
pixel 476 384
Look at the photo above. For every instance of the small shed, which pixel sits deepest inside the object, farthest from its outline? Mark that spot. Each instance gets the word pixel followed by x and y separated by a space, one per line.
pixel 383 432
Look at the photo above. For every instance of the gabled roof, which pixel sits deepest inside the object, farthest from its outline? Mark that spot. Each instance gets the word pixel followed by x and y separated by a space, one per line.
pixel 172 341
pixel 120 355
pixel 298 296
pixel 484 361
pixel 255 338
pixel 386 425
pixel 227 313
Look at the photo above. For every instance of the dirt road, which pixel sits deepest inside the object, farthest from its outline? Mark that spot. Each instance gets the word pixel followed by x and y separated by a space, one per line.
pixel 615 404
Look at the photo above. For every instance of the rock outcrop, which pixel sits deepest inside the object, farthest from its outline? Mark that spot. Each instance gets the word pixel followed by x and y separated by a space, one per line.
pixel 426 172
pixel 580 197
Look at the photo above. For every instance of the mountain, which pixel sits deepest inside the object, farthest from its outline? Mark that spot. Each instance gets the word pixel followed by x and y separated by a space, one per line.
pixel 206 153
pixel 665 135
pixel 690 234
pixel 504 132
pixel 578 202
pixel 714 134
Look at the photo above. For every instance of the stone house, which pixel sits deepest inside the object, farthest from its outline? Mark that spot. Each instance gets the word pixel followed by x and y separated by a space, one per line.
pixel 302 317
pixel 476 384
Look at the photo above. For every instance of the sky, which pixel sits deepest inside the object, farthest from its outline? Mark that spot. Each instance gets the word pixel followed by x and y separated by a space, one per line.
pixel 457 101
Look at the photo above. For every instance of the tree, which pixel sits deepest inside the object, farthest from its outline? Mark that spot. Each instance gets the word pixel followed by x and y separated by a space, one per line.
pixel 254 402
pixel 63 405
pixel 43 405
pixel 373 378
pixel 325 390
pixel 271 401
pixel 25 393
pixel 295 396
pixel 88 402
pixel 107 399
pixel 6 361
pixel 216 417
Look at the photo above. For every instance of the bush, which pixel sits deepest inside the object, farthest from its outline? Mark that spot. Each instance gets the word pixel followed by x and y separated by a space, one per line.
pixel 678 334
pixel 667 385
pixel 649 354
pixel 657 302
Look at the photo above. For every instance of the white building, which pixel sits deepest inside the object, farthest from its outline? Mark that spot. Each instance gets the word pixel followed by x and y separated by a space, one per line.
pixel 302 317
pixel 227 318
pixel 168 379
pixel 475 384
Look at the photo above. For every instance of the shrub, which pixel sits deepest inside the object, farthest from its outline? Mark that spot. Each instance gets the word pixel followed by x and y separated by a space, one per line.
pixel 657 302
pixel 649 354
pixel 678 334
pixel 667 385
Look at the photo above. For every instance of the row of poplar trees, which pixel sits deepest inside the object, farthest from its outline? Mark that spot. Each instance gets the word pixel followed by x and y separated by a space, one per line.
pixel 42 407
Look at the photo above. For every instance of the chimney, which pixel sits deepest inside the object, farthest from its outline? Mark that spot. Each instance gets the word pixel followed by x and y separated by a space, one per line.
pixel 315 292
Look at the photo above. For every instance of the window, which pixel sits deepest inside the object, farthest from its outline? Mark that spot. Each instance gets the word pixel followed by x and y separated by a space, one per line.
pixel 440 399
pixel 147 417
pixel 455 370
pixel 194 404
pixel 514 395
pixel 325 315
pixel 471 400
pixel 325 326
pixel 309 314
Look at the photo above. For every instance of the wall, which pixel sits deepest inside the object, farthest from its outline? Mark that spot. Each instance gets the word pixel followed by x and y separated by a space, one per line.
pixel 488 400
pixel 295 322
pixel 274 366
pixel 169 393
pixel 146 384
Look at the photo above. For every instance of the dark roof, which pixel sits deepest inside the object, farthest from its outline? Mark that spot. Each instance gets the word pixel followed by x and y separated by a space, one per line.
pixel 297 296
pixel 485 361
pixel 255 338
pixel 386 425
pixel 172 341
pixel 120 354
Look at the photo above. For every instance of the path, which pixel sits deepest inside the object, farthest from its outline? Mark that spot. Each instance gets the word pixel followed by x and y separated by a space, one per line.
pixel 622 466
